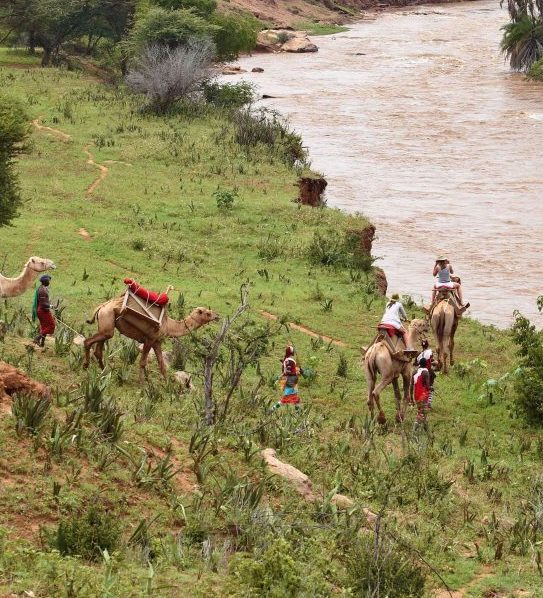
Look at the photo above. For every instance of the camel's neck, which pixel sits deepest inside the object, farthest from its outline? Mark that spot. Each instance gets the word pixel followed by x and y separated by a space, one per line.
pixel 10 287
pixel 413 337
pixel 175 328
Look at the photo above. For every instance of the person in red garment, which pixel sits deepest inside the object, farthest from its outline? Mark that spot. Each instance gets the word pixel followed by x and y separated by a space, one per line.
pixel 41 310
pixel 289 380
pixel 422 388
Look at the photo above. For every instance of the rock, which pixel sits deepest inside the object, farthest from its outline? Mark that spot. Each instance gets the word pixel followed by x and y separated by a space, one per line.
pixel 79 340
pixel 342 502
pixel 232 70
pixel 381 281
pixel 301 482
pixel 311 190
pixel 184 380
pixel 364 237
pixel 299 45
pixel 257 69
pixel 265 96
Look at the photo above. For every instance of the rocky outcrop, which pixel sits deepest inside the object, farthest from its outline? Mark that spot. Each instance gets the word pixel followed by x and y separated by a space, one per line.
pixel 232 70
pixel 304 486
pixel 381 280
pixel 284 40
pixel 311 191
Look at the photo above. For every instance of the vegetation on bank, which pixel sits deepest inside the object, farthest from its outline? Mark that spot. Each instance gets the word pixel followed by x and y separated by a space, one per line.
pixel 115 488
pixel 522 41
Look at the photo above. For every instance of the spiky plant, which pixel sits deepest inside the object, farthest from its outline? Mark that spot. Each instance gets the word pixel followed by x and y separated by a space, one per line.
pixel 522 42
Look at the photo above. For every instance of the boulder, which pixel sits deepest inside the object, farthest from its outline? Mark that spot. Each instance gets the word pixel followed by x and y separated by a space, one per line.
pixel 257 69
pixel 299 45
pixel 299 480
pixel 184 380
pixel 232 70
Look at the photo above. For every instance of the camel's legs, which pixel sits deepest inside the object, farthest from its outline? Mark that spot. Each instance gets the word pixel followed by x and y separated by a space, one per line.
pixel 398 397
pixel 157 347
pixel 147 345
pixel 385 381
pixel 99 354
pixel 99 337
pixel 407 387
pixel 451 341
pixel 371 403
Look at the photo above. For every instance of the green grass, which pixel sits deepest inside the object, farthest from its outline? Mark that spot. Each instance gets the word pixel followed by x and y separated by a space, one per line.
pixel 536 71
pixel 450 496
pixel 18 56
pixel 320 28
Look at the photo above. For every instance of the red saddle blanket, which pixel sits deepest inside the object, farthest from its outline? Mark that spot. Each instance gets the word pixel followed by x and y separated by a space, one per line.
pixel 143 293
pixel 389 329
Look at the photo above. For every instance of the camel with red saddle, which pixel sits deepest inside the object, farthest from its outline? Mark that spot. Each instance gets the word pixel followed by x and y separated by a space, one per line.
pixel 141 315
pixel 386 357
pixel 445 316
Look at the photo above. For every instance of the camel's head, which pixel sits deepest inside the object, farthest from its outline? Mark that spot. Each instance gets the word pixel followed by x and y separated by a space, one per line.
pixel 40 264
pixel 205 315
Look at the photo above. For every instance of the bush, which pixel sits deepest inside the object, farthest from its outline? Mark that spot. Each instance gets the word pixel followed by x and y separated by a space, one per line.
pixel 235 33
pixel 88 533
pixel 171 28
pixel 203 8
pixel 228 95
pixel 30 414
pixel 166 75
pixel 13 130
pixel 536 70
pixel 332 248
pixel 267 127
pixel 522 42
pixel 380 569
pixel 529 384
pixel 225 199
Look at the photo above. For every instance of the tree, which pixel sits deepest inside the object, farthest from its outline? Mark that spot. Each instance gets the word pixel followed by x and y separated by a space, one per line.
pixel 171 28
pixel 203 8
pixel 13 130
pixel 235 34
pixel 522 40
pixel 165 75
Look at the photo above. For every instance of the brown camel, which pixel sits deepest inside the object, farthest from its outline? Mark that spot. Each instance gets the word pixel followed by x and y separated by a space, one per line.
pixel 445 321
pixel 109 316
pixel 14 381
pixel 13 287
pixel 379 360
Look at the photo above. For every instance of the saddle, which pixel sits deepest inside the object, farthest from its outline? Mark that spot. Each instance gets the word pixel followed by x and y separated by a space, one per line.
pixel 446 294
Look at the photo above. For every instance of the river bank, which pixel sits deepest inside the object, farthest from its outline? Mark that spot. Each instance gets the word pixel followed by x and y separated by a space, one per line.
pixel 421 142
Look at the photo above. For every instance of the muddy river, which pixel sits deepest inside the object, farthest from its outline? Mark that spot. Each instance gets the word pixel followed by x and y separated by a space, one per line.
pixel 416 121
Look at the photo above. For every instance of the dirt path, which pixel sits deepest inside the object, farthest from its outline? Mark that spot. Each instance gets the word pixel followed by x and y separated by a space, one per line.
pixel 103 170
pixel 300 328
pixel 484 572
pixel 55 132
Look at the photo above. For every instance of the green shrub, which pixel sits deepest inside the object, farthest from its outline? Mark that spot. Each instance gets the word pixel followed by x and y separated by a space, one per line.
pixel 332 248
pixel 529 384
pixel 235 33
pixel 228 95
pixel 88 532
pixel 536 70
pixel 225 199
pixel 29 413
pixel 379 568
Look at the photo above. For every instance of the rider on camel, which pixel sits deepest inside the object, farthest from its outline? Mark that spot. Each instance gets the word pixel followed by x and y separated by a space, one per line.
pixel 442 272
pixel 393 316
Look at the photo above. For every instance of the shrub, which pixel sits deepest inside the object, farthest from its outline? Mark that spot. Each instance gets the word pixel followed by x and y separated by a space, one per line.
pixel 267 127
pixel 13 130
pixel 529 384
pixel 522 42
pixel 225 199
pixel 536 70
pixel 235 33
pixel 88 533
pixel 331 248
pixel 228 95
pixel 29 413
pixel 171 28
pixel 375 567
pixel 166 75
pixel 203 8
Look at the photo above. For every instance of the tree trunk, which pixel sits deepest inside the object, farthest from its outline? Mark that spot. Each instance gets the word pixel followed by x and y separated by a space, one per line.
pixel 46 58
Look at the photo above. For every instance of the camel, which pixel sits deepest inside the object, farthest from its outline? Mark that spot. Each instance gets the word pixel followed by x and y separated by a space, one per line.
pixel 13 287
pixel 14 381
pixel 109 316
pixel 379 360
pixel 444 320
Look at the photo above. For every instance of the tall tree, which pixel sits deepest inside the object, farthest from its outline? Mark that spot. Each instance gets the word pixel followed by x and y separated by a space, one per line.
pixel 13 130
pixel 522 40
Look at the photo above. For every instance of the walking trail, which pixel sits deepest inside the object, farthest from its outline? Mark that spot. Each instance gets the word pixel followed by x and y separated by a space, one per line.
pixel 303 329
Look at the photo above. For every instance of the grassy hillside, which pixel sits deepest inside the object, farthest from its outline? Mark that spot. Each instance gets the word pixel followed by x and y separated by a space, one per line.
pixel 461 502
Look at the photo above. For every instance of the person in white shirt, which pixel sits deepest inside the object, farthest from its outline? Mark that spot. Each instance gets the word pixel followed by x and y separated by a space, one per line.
pixel 394 316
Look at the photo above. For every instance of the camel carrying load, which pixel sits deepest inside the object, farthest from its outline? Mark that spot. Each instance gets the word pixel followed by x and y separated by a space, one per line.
pixel 141 315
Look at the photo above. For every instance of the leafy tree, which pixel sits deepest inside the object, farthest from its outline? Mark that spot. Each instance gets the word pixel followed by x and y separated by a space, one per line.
pixel 203 8
pixel 235 34
pixel 529 381
pixel 172 28
pixel 13 130
pixel 522 40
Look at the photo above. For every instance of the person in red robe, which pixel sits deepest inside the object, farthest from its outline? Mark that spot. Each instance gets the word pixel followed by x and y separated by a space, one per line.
pixel 41 310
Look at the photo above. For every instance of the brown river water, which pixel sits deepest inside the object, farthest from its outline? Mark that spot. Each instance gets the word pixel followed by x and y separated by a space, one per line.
pixel 417 122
